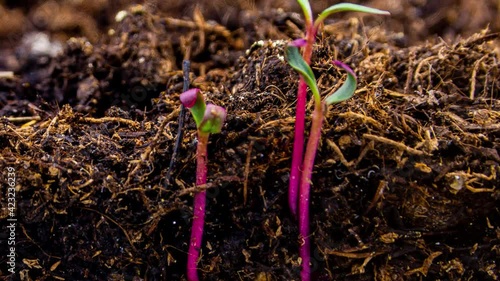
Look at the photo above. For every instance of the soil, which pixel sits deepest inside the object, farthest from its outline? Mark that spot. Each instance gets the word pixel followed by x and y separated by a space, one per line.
pixel 406 180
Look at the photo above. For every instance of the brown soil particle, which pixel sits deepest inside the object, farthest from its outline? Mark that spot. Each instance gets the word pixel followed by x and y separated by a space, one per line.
pixel 406 180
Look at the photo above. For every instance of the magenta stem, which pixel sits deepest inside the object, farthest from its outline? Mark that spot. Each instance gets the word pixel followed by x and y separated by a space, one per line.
pixel 302 167
pixel 305 184
pixel 298 147
pixel 300 113
pixel 198 208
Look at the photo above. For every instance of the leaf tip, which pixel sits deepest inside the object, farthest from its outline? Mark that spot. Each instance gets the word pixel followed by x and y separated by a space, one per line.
pixel 301 42
pixel 344 66
pixel 189 97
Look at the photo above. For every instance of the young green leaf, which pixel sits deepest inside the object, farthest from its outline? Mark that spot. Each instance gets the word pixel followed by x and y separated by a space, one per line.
pixel 347 89
pixel 213 119
pixel 347 7
pixel 193 99
pixel 296 61
pixel 306 9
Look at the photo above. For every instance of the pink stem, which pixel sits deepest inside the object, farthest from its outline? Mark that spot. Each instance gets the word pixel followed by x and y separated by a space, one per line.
pixel 305 184
pixel 298 147
pixel 300 113
pixel 198 208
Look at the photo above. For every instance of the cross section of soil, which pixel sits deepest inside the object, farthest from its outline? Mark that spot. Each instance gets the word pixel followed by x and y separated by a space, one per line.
pixel 406 183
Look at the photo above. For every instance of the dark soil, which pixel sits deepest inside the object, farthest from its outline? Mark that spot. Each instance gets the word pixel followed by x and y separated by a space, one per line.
pixel 406 181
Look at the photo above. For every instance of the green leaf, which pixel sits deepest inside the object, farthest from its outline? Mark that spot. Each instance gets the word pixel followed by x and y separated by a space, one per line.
pixel 296 61
pixel 193 99
pixel 346 90
pixel 347 7
pixel 213 119
pixel 306 9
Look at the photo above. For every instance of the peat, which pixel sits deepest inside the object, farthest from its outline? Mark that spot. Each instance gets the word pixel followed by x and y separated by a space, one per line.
pixel 406 182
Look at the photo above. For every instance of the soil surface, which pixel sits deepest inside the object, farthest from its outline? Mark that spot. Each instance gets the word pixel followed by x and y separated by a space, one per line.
pixel 406 180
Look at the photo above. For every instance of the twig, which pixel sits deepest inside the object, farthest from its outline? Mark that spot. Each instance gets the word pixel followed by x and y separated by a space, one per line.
pixel 362 255
pixel 339 153
pixel 424 269
pixel 364 118
pixel 417 74
pixel 23 119
pixel 398 145
pixel 47 132
pixel 185 70
pixel 363 152
pixel 473 77
pixel 380 191
pixel 214 28
pixel 409 76
pixel 110 119
pixel 206 186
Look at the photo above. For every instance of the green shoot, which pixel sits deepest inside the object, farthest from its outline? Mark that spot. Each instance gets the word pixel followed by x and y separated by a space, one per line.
pixel 303 163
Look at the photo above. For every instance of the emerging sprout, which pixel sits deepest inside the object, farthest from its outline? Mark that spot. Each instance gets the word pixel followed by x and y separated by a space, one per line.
pixel 209 120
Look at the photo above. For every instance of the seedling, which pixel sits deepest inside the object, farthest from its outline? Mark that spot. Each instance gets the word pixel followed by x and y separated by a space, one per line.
pixel 307 44
pixel 209 119
pixel 302 164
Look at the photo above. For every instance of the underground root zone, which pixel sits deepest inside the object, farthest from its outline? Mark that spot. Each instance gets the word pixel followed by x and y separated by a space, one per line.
pixel 406 179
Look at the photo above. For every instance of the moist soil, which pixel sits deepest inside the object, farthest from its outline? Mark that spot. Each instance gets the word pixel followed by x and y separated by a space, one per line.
pixel 406 179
